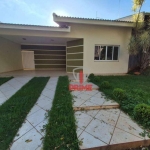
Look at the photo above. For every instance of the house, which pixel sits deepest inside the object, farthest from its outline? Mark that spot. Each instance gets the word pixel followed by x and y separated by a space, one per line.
pixel 98 46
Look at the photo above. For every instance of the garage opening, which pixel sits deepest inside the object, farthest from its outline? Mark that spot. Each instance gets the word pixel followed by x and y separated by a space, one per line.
pixel 47 57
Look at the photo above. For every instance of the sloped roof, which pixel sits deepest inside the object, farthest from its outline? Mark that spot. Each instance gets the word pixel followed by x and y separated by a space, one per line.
pixel 33 27
pixel 16 24
pixel 67 21
pixel 55 15
pixel 130 17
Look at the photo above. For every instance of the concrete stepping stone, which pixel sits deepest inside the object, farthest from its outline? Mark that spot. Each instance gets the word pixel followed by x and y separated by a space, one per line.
pixel 108 128
pixel 9 88
pixel 91 100
pixel 31 133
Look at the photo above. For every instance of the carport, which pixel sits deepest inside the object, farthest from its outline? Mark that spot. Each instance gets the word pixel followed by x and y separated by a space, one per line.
pixel 39 48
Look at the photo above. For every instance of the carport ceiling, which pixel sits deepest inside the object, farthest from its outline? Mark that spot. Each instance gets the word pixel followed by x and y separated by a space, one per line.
pixel 38 40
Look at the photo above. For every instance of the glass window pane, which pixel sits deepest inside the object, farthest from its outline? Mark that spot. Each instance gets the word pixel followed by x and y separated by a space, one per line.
pixel 115 56
pixel 96 54
pixel 102 52
pixel 109 52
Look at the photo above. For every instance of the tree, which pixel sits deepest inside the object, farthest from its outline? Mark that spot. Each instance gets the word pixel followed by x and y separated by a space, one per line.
pixel 139 43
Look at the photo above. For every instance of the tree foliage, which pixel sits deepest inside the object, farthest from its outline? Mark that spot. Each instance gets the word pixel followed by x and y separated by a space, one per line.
pixel 139 43
pixel 137 4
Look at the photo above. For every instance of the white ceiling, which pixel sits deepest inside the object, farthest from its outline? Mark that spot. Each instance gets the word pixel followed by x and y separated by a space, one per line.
pixel 37 40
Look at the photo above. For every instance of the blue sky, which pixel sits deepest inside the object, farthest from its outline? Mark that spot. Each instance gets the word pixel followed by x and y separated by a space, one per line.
pixel 39 12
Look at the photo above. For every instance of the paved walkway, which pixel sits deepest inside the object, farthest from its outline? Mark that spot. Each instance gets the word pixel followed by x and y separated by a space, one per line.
pixel 30 135
pixel 97 128
pixel 90 98
pixel 11 87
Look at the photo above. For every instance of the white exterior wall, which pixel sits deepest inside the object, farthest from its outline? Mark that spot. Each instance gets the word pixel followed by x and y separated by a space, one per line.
pixel 10 56
pixel 92 34
pixel 104 35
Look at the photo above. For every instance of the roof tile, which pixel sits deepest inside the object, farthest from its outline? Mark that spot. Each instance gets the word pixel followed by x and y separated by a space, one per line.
pixel 91 18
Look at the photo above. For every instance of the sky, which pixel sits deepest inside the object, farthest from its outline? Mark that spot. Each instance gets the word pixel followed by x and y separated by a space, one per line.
pixel 39 12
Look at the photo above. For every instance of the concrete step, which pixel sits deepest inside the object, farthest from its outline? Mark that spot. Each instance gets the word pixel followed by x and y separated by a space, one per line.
pixel 95 107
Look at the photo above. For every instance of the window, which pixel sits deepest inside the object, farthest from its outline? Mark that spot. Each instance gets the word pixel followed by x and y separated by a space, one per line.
pixel 103 52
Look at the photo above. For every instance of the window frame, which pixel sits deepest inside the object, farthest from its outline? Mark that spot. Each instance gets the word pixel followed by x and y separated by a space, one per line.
pixel 106 52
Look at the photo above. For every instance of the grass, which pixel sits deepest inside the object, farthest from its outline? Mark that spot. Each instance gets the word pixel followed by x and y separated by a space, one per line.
pixel 61 129
pixel 14 111
pixel 128 83
pixel 4 79
pixel 136 87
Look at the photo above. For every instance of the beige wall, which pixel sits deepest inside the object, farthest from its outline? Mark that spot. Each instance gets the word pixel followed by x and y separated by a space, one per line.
pixel 92 34
pixel 104 35
pixel 10 56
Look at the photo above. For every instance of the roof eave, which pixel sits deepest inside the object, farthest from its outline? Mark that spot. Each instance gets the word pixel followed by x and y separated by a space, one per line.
pixel 67 20
pixel 33 27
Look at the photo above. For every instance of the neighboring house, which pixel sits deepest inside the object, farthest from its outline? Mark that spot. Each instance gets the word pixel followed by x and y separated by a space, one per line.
pixel 97 45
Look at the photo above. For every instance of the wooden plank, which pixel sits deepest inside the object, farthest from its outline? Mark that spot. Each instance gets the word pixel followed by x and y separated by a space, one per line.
pixel 122 146
pixel 95 107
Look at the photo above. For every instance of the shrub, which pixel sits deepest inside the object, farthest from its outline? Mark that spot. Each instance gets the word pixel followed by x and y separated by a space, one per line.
pixel 142 114
pixel 119 94
pixel 91 77
pixel 128 104
pixel 96 79
pixel 105 84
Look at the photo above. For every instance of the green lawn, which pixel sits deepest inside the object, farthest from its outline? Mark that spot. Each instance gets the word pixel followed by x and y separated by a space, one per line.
pixel 61 129
pixel 128 83
pixel 4 79
pixel 14 111
pixel 137 91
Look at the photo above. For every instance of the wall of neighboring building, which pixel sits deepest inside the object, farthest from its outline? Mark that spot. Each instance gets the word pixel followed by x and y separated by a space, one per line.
pixel 10 56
